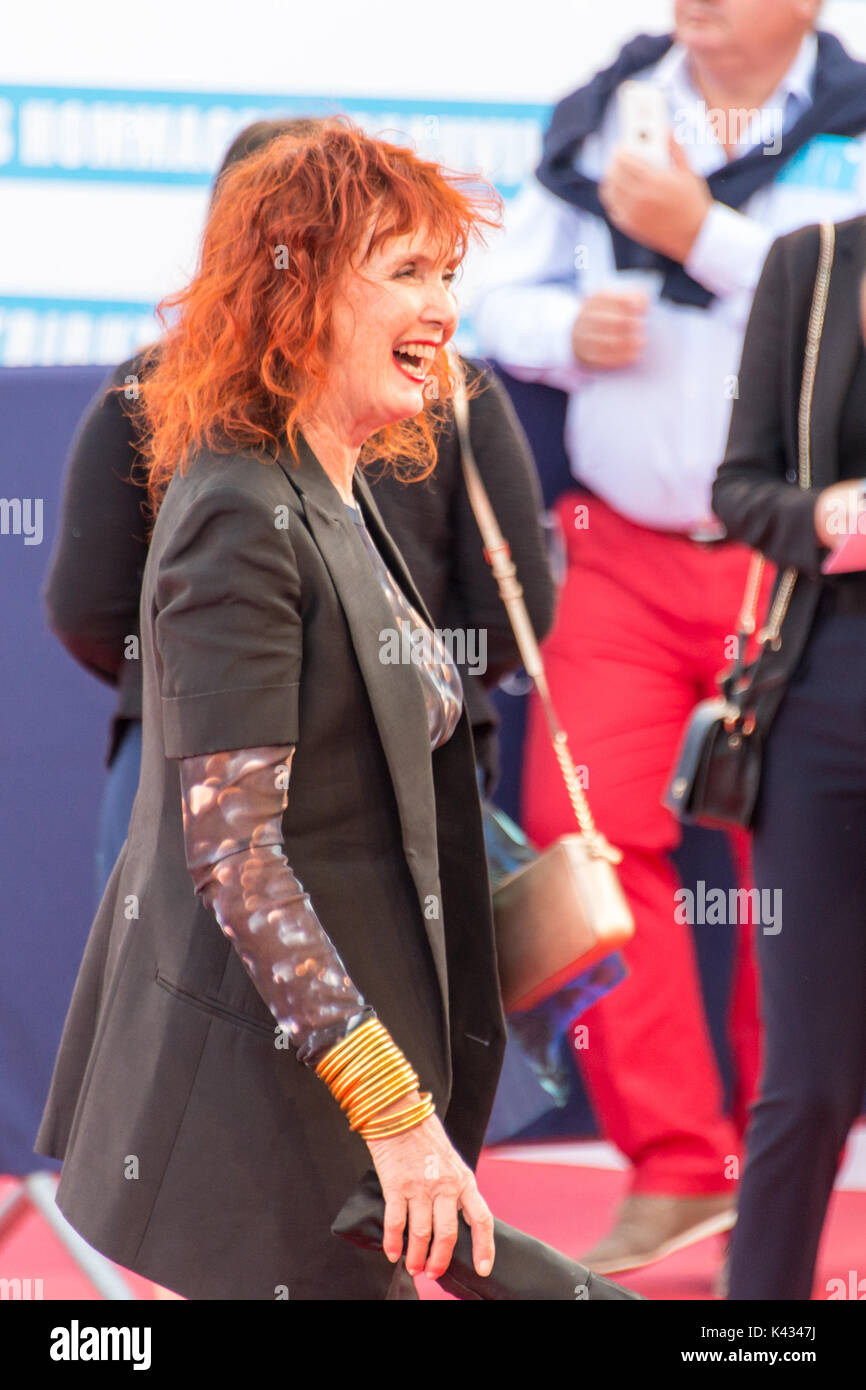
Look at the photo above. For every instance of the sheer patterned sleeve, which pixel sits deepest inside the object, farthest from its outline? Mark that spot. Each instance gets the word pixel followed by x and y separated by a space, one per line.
pixel 232 815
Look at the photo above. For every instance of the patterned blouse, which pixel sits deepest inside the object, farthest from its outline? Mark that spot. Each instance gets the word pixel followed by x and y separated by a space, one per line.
pixel 443 690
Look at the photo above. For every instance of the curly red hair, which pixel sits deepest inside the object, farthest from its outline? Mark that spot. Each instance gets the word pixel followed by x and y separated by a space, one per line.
pixel 243 356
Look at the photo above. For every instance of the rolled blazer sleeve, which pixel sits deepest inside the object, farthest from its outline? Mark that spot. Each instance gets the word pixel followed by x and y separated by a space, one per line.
pixel 751 494
pixel 228 627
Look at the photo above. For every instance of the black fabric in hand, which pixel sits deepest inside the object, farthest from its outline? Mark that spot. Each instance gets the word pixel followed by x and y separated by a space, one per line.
pixel 524 1269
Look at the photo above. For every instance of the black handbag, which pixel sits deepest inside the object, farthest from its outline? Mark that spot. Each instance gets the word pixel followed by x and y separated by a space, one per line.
pixel 718 769
pixel 717 773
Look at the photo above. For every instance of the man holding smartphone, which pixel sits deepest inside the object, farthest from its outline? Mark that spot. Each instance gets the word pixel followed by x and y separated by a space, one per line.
pixel 625 279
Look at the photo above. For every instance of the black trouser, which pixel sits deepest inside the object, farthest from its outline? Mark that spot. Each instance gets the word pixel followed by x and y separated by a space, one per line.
pixel 810 841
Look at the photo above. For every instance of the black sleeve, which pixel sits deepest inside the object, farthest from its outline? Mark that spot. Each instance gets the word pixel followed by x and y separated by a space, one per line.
pixel 508 472
pixel 93 585
pixel 228 628
pixel 751 493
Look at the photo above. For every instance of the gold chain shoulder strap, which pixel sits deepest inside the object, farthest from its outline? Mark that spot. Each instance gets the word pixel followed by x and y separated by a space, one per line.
pixel 771 632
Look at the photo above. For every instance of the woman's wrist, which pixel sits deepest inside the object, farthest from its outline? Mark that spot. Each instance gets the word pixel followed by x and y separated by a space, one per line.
pixel 407 1114
pixel 373 1083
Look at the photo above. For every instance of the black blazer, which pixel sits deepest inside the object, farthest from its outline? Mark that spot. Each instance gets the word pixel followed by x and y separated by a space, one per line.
pixel 756 493
pixel 260 622
pixel 94 582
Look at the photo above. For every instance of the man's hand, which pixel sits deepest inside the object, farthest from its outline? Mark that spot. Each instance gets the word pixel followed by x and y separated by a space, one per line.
pixel 609 330
pixel 663 209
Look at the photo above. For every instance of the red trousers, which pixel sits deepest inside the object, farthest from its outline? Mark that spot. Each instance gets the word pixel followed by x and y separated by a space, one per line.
pixel 643 626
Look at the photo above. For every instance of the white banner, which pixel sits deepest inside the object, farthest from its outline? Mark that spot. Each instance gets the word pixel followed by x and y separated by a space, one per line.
pixel 113 121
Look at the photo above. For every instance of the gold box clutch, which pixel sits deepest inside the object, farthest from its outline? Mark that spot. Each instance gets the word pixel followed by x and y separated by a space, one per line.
pixel 556 917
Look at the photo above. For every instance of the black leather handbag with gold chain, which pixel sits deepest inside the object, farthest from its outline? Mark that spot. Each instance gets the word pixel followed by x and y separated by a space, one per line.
pixel 718 769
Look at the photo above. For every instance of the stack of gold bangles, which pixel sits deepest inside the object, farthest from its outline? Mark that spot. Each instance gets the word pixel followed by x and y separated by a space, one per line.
pixel 365 1072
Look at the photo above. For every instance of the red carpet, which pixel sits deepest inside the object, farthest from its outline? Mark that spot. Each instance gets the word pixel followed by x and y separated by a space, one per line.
pixel 566 1205
pixel 571 1207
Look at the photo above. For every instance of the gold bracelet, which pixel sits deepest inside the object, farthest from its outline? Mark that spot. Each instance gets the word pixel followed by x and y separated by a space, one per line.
pixel 385 1095
pixel 357 1095
pixel 338 1055
pixel 366 1072
pixel 374 1051
pixel 379 1092
pixel 369 1053
pixel 382 1070
pixel 390 1125
pixel 337 1060
pixel 417 1108
pixel 367 1061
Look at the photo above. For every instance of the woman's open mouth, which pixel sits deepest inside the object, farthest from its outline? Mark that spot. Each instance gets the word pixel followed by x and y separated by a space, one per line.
pixel 414 359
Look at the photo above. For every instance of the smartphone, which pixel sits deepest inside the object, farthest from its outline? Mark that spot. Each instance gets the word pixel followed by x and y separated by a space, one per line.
pixel 644 126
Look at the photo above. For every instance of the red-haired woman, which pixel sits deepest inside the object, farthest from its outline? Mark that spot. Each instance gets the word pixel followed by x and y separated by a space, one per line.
pixel 322 797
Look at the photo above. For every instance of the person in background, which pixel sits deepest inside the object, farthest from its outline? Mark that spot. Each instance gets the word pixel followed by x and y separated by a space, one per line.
pixel 93 586
pixel 810 817
pixel 628 284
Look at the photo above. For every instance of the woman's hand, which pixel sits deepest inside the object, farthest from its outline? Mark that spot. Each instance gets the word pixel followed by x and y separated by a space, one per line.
pixel 423 1177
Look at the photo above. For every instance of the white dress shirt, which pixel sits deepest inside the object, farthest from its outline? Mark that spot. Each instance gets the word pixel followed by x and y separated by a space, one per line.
pixel 648 438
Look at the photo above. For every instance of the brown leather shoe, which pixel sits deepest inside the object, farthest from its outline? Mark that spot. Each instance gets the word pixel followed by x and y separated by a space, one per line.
pixel 650 1226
